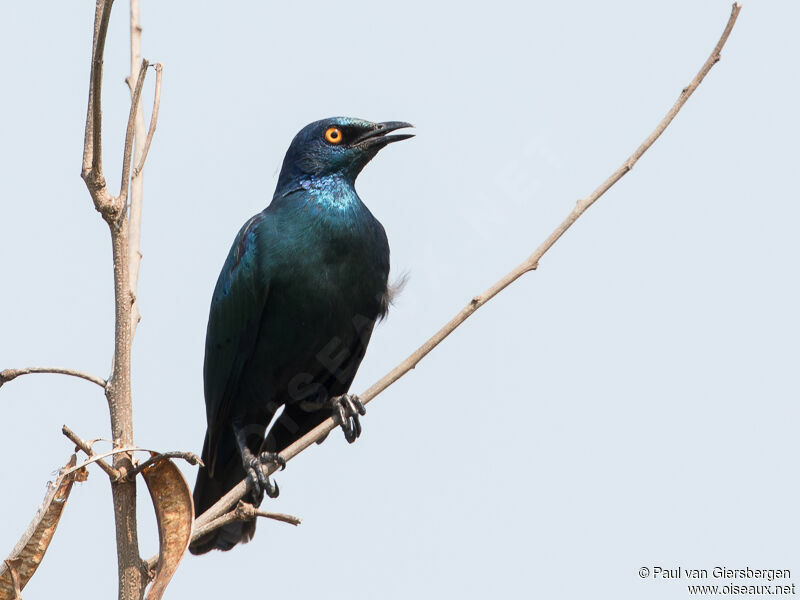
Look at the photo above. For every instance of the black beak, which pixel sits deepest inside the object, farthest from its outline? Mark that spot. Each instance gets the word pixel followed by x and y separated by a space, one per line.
pixel 376 137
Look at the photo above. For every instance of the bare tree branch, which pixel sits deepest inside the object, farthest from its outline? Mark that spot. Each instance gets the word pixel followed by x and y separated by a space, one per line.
pixel 244 511
pixel 96 458
pixel 11 374
pixel 128 474
pixel 87 449
pixel 92 170
pixel 189 457
pixel 137 183
pixel 153 121
pixel 132 573
pixel 129 134
pixel 531 263
pixel 283 517
pixel 141 148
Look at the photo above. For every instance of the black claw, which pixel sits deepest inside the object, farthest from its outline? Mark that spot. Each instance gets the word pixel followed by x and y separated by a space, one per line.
pixel 362 410
pixel 261 483
pixel 272 458
pixel 256 491
pixel 346 409
pixel 263 478
pixel 273 491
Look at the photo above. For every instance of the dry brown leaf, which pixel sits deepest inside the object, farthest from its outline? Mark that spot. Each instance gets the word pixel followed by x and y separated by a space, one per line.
pixel 20 565
pixel 172 500
pixel 13 565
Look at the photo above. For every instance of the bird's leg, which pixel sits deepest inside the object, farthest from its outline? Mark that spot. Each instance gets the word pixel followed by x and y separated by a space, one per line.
pixel 346 409
pixel 254 467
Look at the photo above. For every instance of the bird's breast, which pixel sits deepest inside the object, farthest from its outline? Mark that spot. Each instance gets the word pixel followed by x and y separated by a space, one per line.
pixel 333 264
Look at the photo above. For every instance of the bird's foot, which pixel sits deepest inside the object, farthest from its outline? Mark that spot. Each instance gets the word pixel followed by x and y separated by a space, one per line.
pixel 346 409
pixel 261 483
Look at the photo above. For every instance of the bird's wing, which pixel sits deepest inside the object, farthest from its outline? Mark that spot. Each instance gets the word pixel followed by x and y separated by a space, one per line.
pixel 233 322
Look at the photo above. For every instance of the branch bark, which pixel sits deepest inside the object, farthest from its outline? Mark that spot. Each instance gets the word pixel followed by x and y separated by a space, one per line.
pixel 227 502
pixel 132 573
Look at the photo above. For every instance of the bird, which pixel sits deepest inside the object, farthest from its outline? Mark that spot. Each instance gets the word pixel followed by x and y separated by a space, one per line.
pixel 291 316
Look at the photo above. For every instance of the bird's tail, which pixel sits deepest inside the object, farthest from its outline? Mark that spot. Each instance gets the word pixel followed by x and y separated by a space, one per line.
pixel 207 490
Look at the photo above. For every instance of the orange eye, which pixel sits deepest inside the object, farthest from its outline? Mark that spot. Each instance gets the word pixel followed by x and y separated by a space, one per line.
pixel 333 135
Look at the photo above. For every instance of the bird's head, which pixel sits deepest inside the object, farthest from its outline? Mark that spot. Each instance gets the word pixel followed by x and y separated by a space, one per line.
pixel 339 146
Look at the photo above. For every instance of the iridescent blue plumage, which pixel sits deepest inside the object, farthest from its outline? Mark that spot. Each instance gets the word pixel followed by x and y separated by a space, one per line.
pixel 292 313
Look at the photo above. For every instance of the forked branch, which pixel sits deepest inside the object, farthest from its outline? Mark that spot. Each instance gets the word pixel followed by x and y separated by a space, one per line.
pixel 243 511
pixel 132 574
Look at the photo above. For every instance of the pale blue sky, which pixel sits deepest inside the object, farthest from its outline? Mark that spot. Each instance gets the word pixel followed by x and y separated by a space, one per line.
pixel 633 403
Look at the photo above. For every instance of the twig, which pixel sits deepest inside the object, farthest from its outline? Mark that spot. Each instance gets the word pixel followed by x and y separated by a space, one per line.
pixel 98 457
pixel 243 512
pixel 230 499
pixel 87 449
pixel 10 374
pixel 153 121
pixel 92 170
pixel 137 182
pixel 283 517
pixel 141 148
pixel 92 155
pixel 189 457
pixel 128 149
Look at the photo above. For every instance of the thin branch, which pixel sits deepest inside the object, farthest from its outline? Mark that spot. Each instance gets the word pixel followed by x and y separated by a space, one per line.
pixel 88 135
pixel 87 449
pixel 243 511
pixel 98 457
pixel 323 429
pixel 93 147
pixel 128 473
pixel 92 170
pixel 10 374
pixel 137 182
pixel 128 149
pixel 153 120
pixel 189 457
pixel 282 517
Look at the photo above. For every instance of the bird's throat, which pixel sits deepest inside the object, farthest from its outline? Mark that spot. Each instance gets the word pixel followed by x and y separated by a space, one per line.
pixel 332 193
